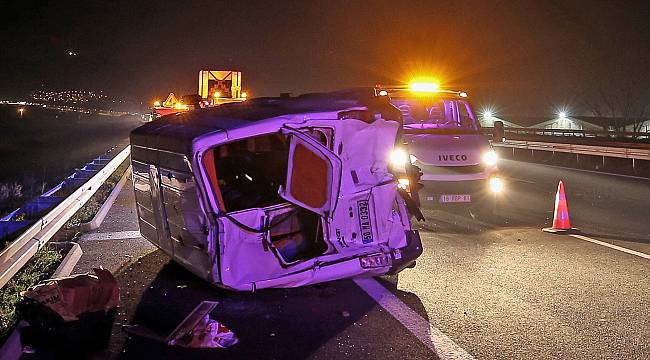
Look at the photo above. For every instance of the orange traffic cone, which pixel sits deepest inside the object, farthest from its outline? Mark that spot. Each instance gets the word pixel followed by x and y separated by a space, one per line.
pixel 561 222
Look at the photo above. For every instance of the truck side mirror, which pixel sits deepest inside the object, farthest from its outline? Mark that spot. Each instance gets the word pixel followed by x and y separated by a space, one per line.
pixel 498 133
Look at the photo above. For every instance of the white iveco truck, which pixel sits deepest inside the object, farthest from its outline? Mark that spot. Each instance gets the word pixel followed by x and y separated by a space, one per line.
pixel 444 139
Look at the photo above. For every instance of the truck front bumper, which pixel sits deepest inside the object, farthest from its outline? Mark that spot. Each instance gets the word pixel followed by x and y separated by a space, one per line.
pixel 456 193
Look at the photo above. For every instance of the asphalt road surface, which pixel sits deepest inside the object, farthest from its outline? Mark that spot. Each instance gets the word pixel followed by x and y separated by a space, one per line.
pixel 501 289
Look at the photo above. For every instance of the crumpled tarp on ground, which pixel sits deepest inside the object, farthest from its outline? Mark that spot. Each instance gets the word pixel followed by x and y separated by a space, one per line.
pixel 72 296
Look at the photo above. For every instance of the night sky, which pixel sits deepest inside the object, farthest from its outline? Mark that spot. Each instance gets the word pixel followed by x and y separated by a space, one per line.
pixel 524 57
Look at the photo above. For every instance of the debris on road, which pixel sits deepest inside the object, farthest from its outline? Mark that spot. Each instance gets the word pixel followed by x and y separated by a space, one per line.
pixel 197 330
pixel 209 333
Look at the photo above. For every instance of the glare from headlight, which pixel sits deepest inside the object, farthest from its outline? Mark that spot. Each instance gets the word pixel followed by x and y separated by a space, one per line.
pixel 490 158
pixel 403 183
pixel 398 158
pixel 496 185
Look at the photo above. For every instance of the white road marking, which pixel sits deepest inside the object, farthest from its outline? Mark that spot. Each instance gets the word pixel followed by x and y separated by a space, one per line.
pixel 615 247
pixel 521 180
pixel 430 336
pixel 596 172
pixel 118 235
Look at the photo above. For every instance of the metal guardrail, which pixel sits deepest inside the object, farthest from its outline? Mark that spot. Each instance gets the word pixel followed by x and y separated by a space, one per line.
pixel 606 151
pixel 578 133
pixel 21 250
pixel 595 137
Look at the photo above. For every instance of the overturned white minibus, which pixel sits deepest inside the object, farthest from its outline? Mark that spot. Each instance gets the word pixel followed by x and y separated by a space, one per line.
pixel 276 192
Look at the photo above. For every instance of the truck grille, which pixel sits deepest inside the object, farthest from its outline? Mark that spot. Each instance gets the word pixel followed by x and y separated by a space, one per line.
pixel 451 170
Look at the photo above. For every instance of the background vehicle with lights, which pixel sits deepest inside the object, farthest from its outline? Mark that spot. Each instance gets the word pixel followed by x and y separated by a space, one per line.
pixel 442 137
pixel 216 87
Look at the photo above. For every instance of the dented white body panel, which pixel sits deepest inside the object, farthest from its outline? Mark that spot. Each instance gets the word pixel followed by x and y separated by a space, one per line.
pixel 370 227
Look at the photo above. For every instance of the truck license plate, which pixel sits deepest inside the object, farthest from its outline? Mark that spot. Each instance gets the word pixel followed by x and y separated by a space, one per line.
pixel 455 198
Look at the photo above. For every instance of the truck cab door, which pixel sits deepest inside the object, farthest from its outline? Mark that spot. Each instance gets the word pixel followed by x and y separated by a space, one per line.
pixel 313 175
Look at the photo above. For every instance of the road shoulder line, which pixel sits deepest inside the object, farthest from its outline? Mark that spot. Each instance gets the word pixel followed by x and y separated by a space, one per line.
pixel 430 336
pixel 117 235
pixel 612 246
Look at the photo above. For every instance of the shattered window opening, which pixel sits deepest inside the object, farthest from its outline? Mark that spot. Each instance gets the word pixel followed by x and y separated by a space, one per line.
pixel 249 172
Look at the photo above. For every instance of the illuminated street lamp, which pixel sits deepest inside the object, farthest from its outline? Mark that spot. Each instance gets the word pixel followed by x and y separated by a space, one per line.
pixel 21 111
pixel 562 115
pixel 156 103
pixel 487 115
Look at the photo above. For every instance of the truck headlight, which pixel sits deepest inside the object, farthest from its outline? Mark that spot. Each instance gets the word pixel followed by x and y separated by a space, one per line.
pixel 496 185
pixel 398 158
pixel 490 158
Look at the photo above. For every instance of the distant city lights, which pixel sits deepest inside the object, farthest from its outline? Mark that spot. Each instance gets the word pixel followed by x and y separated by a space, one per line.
pixel 68 96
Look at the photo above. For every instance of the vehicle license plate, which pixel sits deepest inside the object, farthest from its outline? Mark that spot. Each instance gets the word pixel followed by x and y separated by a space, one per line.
pixel 364 221
pixel 455 198
pixel 374 261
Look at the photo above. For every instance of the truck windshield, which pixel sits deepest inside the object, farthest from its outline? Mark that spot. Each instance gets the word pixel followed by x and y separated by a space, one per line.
pixel 437 114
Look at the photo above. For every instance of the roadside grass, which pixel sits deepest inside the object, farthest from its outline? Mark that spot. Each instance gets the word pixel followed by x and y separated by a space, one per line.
pixel 11 196
pixel 45 261
pixel 39 268
pixel 92 206
pixel 88 211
